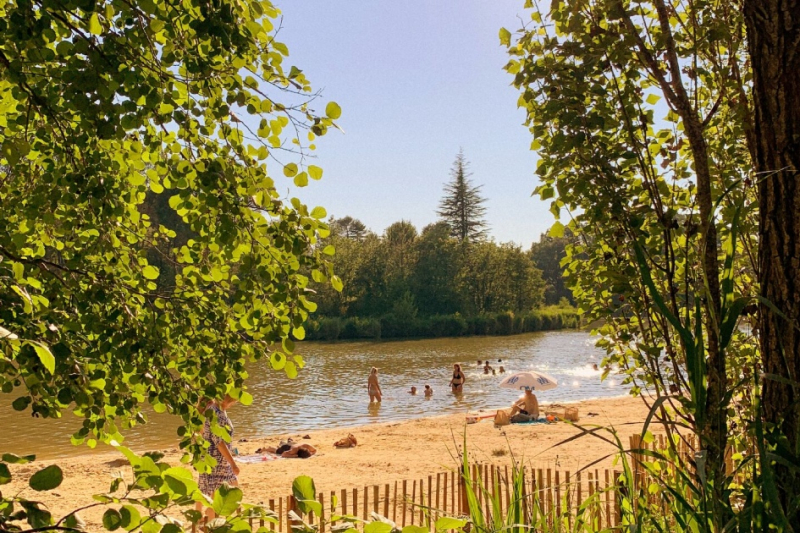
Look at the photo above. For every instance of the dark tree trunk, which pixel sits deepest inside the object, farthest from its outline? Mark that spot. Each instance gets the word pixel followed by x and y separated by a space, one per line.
pixel 773 34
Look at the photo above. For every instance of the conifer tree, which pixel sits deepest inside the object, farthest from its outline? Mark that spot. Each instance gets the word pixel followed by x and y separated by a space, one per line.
pixel 462 205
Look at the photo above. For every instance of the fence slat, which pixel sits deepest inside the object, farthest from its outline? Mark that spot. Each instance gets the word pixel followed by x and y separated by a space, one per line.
pixel 386 501
pixel 394 506
pixel 321 498
pixel 405 497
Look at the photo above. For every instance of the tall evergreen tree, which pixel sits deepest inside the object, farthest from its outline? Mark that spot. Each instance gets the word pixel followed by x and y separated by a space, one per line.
pixel 462 205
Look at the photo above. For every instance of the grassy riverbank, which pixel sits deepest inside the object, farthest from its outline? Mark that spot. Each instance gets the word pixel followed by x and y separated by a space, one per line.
pixel 392 326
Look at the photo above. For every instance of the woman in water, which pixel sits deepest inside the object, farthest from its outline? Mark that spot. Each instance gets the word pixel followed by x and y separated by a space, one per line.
pixel 373 387
pixel 457 383
pixel 226 470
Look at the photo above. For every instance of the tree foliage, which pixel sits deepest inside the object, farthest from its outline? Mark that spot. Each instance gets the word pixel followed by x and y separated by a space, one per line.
pixel 640 121
pixel 436 273
pixel 547 255
pixel 139 138
pixel 462 205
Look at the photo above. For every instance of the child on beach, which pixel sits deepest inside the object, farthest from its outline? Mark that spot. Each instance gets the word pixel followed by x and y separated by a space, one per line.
pixel 428 391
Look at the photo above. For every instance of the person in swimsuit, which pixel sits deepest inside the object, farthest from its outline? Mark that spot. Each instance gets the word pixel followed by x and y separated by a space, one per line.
pixel 526 408
pixel 226 470
pixel 457 383
pixel 413 391
pixel 375 393
pixel 428 391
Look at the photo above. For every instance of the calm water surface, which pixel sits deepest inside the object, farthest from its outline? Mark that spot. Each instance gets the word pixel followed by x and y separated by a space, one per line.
pixel 331 391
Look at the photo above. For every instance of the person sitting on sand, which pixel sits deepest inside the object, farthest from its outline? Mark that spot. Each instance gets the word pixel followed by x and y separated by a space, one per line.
pixel 413 391
pixel 375 393
pixel 457 383
pixel 428 391
pixel 502 370
pixel 526 408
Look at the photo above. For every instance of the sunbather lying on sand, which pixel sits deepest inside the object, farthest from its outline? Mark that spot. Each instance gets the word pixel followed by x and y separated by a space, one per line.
pixel 289 450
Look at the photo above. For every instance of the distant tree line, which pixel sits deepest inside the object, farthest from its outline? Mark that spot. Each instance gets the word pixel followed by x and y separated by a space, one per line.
pixel 448 279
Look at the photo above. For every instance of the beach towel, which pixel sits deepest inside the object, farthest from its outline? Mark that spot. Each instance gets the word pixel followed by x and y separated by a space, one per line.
pixel 538 421
pixel 257 458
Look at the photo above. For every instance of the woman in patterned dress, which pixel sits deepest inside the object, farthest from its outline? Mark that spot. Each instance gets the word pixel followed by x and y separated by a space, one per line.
pixel 226 470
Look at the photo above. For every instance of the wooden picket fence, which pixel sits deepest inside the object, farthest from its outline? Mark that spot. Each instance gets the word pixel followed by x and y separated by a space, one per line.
pixel 552 495
pixel 556 494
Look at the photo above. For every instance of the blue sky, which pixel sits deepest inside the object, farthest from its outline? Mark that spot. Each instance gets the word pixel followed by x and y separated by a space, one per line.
pixel 417 80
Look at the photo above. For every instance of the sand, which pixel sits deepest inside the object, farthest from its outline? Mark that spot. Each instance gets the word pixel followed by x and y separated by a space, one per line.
pixel 386 452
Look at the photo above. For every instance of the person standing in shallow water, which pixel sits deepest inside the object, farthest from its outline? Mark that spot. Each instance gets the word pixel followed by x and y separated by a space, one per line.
pixel 457 383
pixel 375 393
pixel 226 470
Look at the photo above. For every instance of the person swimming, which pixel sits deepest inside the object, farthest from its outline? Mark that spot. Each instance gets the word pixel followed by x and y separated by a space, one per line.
pixel 413 391
pixel 502 370
pixel 480 362
pixel 428 391
pixel 457 383
pixel 487 368
pixel 595 367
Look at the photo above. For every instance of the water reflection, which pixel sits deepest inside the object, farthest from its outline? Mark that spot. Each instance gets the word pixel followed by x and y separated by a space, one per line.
pixel 332 391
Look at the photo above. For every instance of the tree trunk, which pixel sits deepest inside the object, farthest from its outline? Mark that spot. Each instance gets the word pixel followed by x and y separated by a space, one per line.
pixel 773 35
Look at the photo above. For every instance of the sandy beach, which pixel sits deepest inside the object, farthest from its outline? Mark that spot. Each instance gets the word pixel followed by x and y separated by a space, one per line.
pixel 386 452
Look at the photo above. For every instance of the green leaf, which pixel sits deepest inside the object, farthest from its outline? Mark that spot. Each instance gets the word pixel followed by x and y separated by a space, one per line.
pixel 16 459
pixel 305 493
pixel 5 474
pixel 130 517
pixel 47 478
pixel 290 369
pixel 180 481
pixel 378 527
pixel 150 272
pixel 112 519
pixel 301 180
pixel 653 99
pixel 445 523
pixel 226 500
pixel 94 25
pixel 333 110
pixel 336 283
pixel 557 230
pixel 45 356
pixel 314 172
pixel 319 213
pixel 505 37
pixel 290 170
pixel 246 398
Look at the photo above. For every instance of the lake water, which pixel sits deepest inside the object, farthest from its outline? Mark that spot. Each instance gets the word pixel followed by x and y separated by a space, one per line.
pixel 331 391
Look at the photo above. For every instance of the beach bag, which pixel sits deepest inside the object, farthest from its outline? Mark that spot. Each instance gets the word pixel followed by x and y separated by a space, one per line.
pixel 501 419
pixel 571 414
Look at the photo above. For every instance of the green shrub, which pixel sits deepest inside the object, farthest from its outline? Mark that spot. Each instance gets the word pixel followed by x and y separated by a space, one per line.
pixel 329 328
pixel 447 326
pixel 504 323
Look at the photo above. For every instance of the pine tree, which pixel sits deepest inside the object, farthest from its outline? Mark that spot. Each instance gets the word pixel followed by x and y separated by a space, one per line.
pixel 462 205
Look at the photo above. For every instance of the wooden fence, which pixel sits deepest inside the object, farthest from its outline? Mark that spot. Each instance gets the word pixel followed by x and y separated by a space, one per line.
pixel 546 494
pixel 553 495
